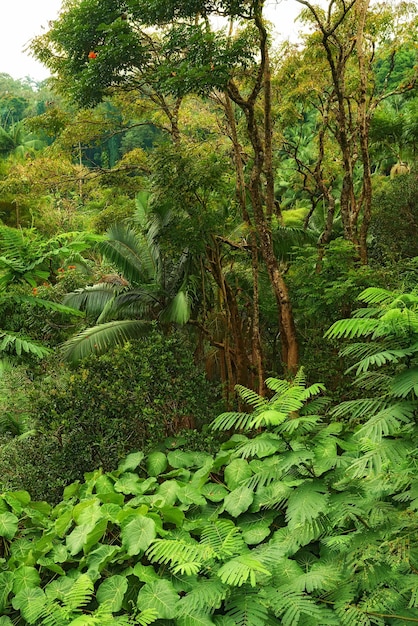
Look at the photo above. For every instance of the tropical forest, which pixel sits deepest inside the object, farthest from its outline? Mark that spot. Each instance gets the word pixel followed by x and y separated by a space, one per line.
pixel 209 318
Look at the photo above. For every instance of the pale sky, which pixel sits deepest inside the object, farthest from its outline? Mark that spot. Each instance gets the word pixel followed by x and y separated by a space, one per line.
pixel 21 20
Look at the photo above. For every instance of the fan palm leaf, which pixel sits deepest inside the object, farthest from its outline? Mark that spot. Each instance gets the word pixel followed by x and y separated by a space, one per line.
pixel 128 251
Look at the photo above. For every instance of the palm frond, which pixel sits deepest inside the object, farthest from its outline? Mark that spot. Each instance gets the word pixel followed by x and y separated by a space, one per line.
pixel 405 383
pixel 19 344
pixel 377 295
pixel 99 339
pixel 179 309
pixel 129 252
pixel 91 299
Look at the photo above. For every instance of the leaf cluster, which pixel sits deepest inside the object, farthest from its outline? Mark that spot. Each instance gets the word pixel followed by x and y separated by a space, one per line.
pixel 282 526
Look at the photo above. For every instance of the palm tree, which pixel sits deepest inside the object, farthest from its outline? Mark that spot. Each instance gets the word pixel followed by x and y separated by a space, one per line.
pixel 147 286
pixel 16 140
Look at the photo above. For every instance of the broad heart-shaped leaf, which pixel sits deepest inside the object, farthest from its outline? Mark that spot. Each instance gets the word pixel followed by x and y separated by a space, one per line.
pixel 5 621
pixel 98 559
pixel 161 596
pixel 112 590
pixel 131 462
pixel 236 472
pixel 138 534
pixel 156 463
pixel 25 577
pixel 8 525
pixel 95 535
pixel 214 492
pixel 30 602
pixel 129 484
pixel 77 538
pixel 256 534
pixel 306 503
pixel 239 500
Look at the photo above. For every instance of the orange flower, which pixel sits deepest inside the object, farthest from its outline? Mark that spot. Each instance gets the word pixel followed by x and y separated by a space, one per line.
pixel 72 267
pixel 61 270
pixel 92 54
pixel 35 291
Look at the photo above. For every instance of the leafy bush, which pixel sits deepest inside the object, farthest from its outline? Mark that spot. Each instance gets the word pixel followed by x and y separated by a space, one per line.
pixel 320 298
pixel 293 525
pixel 128 399
pixel 394 229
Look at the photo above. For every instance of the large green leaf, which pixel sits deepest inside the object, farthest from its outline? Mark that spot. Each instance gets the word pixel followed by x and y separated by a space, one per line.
pixel 25 577
pixel 30 602
pixel 239 500
pixel 161 596
pixel 156 463
pixel 112 591
pixel 131 462
pixel 8 525
pixel 236 473
pixel 138 534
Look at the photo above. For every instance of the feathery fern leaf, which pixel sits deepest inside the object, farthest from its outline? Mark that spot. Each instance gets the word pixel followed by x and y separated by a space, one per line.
pixel 242 569
pixel 353 327
pixel 405 383
pixel 223 537
pixel 246 609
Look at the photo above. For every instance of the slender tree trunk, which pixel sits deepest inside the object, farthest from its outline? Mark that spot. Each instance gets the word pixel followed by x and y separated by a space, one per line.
pixel 363 115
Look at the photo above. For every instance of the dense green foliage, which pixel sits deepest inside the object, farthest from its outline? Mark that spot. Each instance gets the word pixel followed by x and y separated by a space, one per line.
pixel 125 400
pixel 307 522
pixel 186 203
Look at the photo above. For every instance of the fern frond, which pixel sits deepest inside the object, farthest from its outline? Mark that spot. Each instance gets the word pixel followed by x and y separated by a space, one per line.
pixel 405 383
pixel 363 408
pixel 352 327
pixel 261 446
pixel 182 556
pixel 388 453
pixel 223 538
pixel 80 593
pixel 232 419
pixel 291 605
pixel 245 609
pixel 376 295
pixel 146 617
pixel 251 397
pixel 206 595
pixel 277 385
pixel 242 569
pixel 387 422
pixel 19 343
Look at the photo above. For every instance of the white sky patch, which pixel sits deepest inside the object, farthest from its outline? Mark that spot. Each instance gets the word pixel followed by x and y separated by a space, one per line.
pixel 22 20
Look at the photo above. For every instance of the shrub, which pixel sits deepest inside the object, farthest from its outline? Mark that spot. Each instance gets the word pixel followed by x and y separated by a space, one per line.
pixel 128 399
